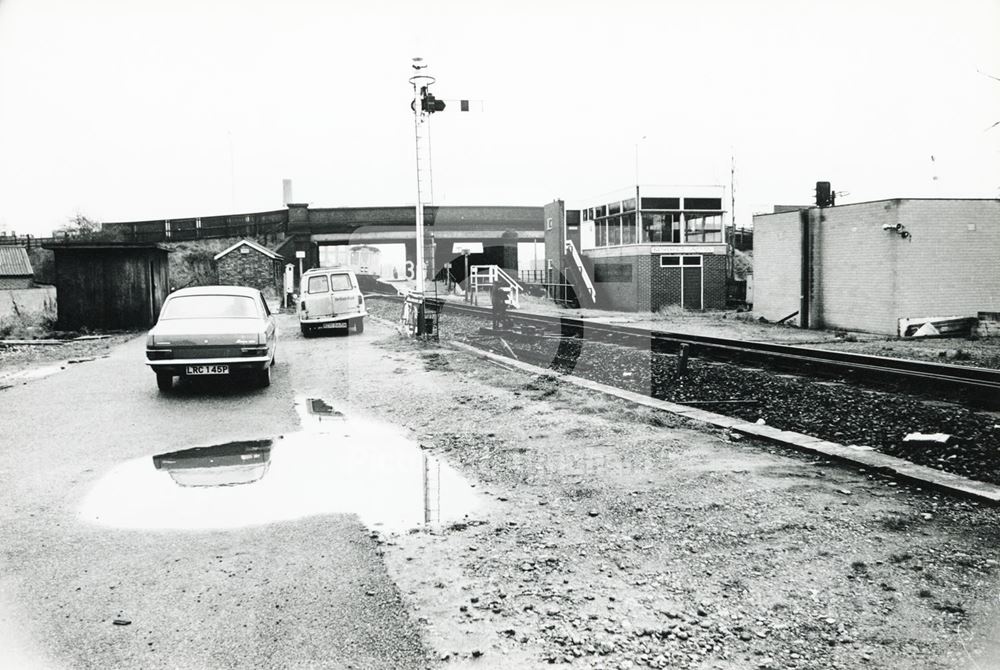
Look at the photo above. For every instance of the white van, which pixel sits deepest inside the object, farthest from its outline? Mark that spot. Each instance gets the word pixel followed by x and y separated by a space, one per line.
pixel 331 298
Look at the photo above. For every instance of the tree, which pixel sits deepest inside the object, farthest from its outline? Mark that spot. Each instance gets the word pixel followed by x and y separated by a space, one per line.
pixel 79 225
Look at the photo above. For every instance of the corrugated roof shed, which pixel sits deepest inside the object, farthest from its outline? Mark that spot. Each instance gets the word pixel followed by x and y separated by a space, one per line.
pixel 14 262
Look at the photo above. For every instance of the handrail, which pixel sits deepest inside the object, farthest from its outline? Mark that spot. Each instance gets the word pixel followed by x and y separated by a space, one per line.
pixel 571 249
pixel 492 274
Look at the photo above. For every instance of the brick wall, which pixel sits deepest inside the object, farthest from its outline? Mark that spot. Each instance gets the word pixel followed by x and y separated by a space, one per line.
pixel 653 286
pixel 949 267
pixel 715 281
pixel 620 295
pixel 867 278
pixel 855 267
pixel 554 242
pixel 252 269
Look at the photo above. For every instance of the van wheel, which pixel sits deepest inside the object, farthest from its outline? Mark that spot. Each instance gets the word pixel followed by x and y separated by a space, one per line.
pixel 306 330
pixel 359 325
pixel 164 381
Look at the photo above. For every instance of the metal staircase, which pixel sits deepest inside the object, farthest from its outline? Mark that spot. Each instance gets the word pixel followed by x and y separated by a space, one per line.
pixel 577 274
pixel 486 275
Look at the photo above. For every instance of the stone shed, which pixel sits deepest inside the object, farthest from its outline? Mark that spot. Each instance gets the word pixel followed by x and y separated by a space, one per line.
pixel 247 263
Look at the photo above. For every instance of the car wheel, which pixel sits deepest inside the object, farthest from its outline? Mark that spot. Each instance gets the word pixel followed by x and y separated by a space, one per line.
pixel 359 325
pixel 264 377
pixel 164 381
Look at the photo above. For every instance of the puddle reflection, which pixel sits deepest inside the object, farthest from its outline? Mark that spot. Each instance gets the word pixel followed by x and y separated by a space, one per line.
pixel 228 464
pixel 335 465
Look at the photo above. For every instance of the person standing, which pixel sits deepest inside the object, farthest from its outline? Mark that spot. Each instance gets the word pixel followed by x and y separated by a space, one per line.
pixel 498 299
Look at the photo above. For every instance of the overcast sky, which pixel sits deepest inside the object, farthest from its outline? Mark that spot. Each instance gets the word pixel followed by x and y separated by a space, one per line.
pixel 126 110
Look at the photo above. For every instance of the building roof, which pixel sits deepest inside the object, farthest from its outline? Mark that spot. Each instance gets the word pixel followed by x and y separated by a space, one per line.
pixel 14 261
pixel 252 245
pixel 868 202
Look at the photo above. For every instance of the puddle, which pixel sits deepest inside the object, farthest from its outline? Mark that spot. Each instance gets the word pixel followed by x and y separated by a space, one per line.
pixel 334 465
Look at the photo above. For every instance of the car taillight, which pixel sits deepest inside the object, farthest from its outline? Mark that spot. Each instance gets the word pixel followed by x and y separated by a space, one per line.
pixel 361 301
pixel 254 351
pixel 159 354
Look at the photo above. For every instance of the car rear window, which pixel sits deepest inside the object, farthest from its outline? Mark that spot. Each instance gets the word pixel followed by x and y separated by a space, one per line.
pixel 318 284
pixel 341 282
pixel 210 307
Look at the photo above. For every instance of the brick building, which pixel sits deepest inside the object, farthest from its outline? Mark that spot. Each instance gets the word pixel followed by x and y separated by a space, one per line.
pixel 15 268
pixel 246 263
pixel 645 247
pixel 867 265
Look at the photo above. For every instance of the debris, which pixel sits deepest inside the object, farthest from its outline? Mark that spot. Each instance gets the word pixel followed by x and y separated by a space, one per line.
pixel 760 421
pixel 122 622
pixel 509 350
pixel 927 439
pixel 846 492
pixel 790 316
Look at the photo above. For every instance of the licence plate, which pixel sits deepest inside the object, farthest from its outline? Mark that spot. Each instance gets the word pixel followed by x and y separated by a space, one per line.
pixel 337 324
pixel 207 370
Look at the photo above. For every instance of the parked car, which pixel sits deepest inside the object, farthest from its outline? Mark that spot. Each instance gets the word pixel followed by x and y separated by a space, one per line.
pixel 331 298
pixel 213 331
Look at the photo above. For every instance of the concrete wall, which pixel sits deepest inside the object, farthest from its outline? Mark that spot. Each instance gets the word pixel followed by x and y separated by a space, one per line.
pixel 40 300
pixel 776 271
pixel 867 278
pixel 16 282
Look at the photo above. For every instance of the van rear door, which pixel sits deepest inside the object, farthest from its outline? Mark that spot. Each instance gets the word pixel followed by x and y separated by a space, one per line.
pixel 316 298
pixel 344 291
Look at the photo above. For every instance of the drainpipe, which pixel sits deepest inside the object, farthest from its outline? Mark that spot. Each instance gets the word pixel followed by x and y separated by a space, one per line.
pixel 805 268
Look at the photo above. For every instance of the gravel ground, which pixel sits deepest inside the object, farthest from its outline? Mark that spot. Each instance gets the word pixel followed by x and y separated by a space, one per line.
pixel 621 537
pixel 832 411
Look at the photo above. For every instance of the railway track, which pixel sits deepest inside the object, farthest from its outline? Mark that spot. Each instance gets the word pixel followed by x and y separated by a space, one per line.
pixel 979 387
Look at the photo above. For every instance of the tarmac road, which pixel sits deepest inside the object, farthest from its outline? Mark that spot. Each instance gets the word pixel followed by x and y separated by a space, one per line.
pixel 309 591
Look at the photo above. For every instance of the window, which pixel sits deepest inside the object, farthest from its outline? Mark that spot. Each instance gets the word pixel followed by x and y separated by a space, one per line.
pixel 703 228
pixel 612 272
pixel 677 261
pixel 615 208
pixel 210 307
pixel 628 205
pixel 341 282
pixel 318 284
pixel 659 227
pixel 628 228
pixel 702 203
pixel 661 203
pixel 614 231
pixel 601 233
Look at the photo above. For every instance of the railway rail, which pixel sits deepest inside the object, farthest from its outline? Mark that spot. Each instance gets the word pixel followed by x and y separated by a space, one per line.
pixel 979 387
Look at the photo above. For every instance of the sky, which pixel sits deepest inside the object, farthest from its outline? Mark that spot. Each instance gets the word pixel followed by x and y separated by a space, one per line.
pixel 133 110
